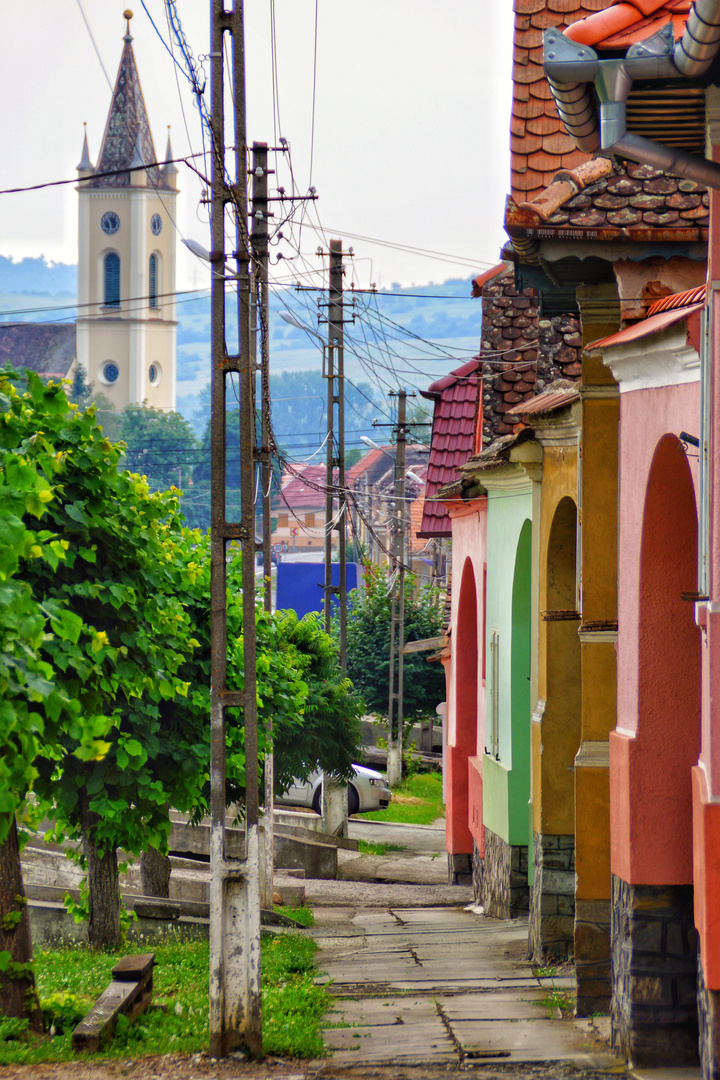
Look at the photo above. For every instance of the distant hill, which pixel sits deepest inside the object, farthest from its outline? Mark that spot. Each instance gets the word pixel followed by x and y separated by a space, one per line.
pixel 37 277
pixel 401 336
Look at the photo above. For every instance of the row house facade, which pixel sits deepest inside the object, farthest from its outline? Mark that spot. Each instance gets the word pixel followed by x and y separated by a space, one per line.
pixel 583 726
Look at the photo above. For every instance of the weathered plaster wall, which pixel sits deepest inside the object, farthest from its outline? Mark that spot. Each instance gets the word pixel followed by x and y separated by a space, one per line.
pixel 556 722
pixel 465 720
pixel 657 735
pixel 506 781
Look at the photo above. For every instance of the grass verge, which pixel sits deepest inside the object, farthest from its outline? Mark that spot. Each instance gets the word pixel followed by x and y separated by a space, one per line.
pixel 418 801
pixel 367 847
pixel 69 979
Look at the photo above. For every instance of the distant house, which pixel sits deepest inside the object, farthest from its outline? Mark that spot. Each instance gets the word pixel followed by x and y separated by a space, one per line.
pixel 47 348
pixel 300 510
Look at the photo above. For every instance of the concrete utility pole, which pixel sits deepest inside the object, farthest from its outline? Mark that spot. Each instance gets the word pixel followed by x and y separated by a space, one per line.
pixel 334 799
pixel 259 238
pixel 397 619
pixel 234 991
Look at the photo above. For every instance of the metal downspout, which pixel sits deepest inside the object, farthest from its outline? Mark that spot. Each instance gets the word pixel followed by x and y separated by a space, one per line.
pixel 691 57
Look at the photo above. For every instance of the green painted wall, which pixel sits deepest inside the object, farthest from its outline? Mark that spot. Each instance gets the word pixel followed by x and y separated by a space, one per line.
pixel 506 782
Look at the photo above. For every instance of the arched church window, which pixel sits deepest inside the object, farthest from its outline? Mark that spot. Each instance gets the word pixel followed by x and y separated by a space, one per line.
pixel 112 279
pixel 153 281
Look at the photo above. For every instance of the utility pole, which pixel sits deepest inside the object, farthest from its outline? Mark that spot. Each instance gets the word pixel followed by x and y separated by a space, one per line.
pixel 260 240
pixel 234 990
pixel 334 799
pixel 397 618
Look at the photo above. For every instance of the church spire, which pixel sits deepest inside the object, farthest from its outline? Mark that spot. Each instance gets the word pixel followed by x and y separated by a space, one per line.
pixel 127 127
pixel 169 170
pixel 86 164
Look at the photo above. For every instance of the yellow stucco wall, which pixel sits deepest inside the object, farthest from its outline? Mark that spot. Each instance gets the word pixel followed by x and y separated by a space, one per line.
pixel 598 503
pixel 556 721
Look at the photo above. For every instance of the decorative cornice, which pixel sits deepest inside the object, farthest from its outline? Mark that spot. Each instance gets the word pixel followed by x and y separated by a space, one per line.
pixel 611 390
pixel 507 477
pixel 557 429
pixel 597 637
pixel 593 755
pixel 663 359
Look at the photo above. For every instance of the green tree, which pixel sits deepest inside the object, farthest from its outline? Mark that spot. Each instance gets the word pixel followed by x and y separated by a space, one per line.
pixel 110 778
pixel 368 644
pixel 80 390
pixel 160 445
pixel 30 703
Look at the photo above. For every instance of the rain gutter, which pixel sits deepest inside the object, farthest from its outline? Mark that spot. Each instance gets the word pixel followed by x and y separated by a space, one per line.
pixel 597 121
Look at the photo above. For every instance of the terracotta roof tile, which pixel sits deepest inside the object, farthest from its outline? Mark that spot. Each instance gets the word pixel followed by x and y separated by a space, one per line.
pixel 532 98
pixel 627 22
pixel 456 399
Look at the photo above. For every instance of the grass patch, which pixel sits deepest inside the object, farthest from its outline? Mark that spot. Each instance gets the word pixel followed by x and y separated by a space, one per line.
pixel 300 914
pixel 367 847
pixel 69 979
pixel 418 801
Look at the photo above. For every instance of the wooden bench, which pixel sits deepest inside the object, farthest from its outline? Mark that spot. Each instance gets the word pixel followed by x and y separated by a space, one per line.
pixel 129 994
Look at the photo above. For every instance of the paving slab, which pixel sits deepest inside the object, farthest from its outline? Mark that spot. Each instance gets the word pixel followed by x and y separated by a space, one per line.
pixel 526 1040
pixel 445 986
pixel 685 1072
pixel 524 1004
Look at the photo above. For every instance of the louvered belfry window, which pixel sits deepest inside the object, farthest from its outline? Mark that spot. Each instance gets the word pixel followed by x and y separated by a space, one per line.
pixel 153 282
pixel 112 279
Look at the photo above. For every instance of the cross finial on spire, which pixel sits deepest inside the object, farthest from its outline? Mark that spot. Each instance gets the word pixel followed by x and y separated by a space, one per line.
pixel 127 16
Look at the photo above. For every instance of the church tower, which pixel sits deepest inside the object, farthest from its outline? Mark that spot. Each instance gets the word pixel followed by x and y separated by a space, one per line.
pixel 126 327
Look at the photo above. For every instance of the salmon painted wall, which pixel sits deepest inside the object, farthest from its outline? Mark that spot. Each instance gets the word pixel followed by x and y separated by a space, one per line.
pixel 657 739
pixel 465 717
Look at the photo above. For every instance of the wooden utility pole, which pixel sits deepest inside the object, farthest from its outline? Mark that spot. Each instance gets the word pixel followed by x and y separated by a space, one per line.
pixel 260 239
pixel 397 618
pixel 234 990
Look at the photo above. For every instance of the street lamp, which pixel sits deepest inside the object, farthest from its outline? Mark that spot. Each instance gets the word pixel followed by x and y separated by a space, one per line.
pixel 202 253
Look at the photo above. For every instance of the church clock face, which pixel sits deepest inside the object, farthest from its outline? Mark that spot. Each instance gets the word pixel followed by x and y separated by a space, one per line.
pixel 156 224
pixel 110 222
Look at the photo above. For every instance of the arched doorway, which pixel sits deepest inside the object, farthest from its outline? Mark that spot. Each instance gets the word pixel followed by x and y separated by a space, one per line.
pixel 556 739
pixel 652 914
pixel 464 744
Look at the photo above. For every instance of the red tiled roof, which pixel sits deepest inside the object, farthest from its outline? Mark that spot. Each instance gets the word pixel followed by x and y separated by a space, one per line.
pixel 539 144
pixel 653 325
pixel 624 23
pixel 488 275
pixel 556 396
pixel 678 300
pixel 300 495
pixel 456 399
pixel 366 462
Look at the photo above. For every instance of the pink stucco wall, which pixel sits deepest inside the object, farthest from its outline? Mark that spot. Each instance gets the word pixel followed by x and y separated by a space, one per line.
pixel 465 717
pixel 657 739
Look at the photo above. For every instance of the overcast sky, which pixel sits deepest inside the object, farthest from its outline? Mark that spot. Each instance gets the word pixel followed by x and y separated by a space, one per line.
pixel 411 121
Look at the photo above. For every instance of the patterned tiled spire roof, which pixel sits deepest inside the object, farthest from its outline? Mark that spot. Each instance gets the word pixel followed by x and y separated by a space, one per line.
pixel 127 129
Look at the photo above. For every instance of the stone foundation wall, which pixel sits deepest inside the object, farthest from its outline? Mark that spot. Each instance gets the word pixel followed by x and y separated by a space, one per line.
pixel 459 869
pixel 552 902
pixel 592 956
pixel 654 973
pixel 504 893
pixel 478 866
pixel 708 1004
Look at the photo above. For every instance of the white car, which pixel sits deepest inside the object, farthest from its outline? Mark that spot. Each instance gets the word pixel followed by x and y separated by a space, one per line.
pixel 367 790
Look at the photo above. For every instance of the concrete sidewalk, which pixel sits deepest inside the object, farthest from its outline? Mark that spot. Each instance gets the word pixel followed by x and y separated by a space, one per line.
pixel 441 986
